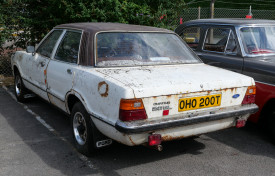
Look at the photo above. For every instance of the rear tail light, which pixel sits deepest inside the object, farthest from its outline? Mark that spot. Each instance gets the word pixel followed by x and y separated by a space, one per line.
pixel 154 139
pixel 250 95
pixel 131 109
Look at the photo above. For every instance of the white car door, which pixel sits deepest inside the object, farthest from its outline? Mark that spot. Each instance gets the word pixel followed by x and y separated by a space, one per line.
pixel 61 69
pixel 36 68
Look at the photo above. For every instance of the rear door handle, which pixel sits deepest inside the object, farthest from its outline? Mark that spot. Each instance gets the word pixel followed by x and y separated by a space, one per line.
pixel 69 71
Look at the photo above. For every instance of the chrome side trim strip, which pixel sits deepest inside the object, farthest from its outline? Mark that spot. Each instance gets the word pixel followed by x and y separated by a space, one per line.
pixel 264 83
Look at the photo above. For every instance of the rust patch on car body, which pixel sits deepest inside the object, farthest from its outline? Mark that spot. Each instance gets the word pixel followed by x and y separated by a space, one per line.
pixel 103 89
pixel 51 99
pixel 171 138
pixel 131 139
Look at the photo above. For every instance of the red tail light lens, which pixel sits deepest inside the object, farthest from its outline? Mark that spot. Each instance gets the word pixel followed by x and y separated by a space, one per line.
pixel 132 109
pixel 125 115
pixel 250 95
pixel 249 99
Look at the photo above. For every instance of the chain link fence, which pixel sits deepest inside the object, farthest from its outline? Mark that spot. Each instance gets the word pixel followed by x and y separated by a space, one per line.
pixel 195 13
pixel 8 35
pixel 187 14
pixel 6 76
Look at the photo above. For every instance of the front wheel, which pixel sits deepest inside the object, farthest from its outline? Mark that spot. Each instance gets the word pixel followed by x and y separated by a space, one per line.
pixel 82 130
pixel 19 88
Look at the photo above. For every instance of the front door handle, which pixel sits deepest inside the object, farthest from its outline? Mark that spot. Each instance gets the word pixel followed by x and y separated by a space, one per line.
pixel 69 71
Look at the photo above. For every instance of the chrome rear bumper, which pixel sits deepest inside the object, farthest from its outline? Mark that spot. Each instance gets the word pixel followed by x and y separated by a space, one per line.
pixel 184 120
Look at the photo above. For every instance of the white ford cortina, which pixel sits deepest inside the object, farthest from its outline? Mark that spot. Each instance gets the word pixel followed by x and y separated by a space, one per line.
pixel 132 84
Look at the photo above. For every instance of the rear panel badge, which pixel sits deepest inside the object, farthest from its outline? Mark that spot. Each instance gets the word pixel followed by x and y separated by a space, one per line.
pixel 236 96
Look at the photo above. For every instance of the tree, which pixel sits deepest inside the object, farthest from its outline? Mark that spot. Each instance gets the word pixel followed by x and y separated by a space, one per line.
pixel 35 18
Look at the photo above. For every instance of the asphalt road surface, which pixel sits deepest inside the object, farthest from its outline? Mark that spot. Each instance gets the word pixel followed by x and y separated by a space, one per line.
pixel 35 139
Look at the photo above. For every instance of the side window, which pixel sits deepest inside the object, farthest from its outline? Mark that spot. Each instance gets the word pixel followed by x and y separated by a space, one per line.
pixel 191 36
pixel 231 47
pixel 48 44
pixel 68 48
pixel 216 39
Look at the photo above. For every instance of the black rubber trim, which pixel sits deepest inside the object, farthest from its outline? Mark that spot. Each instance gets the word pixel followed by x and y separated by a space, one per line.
pixel 146 126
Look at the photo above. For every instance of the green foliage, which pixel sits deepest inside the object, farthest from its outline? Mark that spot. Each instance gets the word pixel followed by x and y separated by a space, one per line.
pixel 35 18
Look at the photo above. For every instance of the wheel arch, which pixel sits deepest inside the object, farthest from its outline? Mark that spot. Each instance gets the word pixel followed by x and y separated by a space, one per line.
pixel 15 70
pixel 269 105
pixel 73 97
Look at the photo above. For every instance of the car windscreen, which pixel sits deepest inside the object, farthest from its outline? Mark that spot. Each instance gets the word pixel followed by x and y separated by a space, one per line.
pixel 258 40
pixel 140 48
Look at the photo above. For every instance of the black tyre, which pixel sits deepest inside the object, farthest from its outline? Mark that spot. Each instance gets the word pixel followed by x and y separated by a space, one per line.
pixel 82 130
pixel 271 124
pixel 19 88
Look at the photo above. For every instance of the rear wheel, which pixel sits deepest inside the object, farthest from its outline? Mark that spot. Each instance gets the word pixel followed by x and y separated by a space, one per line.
pixel 82 129
pixel 19 88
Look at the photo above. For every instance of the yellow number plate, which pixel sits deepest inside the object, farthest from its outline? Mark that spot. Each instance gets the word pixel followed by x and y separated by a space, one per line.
pixel 186 104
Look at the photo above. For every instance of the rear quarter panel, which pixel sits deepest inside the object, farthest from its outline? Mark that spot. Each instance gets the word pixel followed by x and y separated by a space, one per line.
pixel 101 94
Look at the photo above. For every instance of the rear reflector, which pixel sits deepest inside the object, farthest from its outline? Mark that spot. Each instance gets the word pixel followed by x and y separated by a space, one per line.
pixel 250 95
pixel 240 123
pixel 165 112
pixel 154 139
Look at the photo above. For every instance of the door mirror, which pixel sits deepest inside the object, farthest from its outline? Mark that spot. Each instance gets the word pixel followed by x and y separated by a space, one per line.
pixel 30 49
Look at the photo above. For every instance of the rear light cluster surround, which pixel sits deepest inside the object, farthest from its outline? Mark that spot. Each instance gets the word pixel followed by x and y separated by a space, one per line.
pixel 250 95
pixel 131 110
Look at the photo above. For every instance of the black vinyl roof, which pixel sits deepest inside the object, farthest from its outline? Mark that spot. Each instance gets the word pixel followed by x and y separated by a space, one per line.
pixel 100 27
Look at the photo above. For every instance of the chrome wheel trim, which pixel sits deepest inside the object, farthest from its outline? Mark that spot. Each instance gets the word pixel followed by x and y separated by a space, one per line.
pixel 80 128
pixel 18 85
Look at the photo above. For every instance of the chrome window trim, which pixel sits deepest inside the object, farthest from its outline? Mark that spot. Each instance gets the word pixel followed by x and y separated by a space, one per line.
pixel 207 51
pixel 264 83
pixel 61 39
pixel 121 31
pixel 192 26
pixel 45 39
pixel 236 42
pixel 57 44
pixel 238 29
pixel 230 31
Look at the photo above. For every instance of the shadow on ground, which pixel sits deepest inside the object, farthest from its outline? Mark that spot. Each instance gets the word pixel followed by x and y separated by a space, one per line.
pixel 62 156
pixel 250 139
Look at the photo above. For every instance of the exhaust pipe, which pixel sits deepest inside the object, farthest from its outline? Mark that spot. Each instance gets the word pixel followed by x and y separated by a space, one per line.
pixel 159 148
pixel 155 147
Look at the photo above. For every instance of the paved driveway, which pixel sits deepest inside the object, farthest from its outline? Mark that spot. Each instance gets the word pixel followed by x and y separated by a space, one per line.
pixel 35 139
